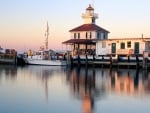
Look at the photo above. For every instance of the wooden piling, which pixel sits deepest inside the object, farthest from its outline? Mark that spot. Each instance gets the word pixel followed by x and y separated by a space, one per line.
pixel 93 60
pixel 145 60
pixel 111 61
pixel 102 60
pixel 137 62
pixel 128 61
pixel 78 59
pixel 86 60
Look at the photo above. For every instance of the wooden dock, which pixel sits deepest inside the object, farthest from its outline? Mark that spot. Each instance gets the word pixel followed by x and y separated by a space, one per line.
pixel 110 61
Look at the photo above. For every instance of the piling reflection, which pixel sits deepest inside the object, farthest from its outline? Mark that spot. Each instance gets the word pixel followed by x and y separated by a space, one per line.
pixel 92 84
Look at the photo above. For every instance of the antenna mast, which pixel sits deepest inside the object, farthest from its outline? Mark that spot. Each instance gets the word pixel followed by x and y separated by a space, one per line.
pixel 46 35
pixel 93 3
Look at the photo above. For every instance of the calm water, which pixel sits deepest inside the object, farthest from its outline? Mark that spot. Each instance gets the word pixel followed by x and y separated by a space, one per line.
pixel 40 89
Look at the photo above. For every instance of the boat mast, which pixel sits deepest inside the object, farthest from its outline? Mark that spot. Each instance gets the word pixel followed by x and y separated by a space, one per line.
pixel 46 36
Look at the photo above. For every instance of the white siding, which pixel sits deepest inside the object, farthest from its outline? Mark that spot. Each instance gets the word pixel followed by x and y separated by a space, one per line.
pixel 101 50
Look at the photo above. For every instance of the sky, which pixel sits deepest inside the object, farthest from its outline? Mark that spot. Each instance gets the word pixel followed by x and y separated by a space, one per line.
pixel 23 22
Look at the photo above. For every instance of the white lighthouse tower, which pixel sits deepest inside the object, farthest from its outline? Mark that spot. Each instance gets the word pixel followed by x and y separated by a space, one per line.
pixel 89 16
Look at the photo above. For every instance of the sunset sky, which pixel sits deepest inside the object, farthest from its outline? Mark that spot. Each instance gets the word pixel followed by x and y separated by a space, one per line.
pixel 23 22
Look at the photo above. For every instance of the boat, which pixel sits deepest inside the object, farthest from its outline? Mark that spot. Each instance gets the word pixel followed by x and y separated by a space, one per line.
pixel 44 56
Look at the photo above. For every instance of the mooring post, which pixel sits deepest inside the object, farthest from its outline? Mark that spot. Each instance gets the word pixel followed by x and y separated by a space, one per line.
pixel 71 60
pixel 118 61
pixel 68 60
pixel 111 61
pixel 86 60
pixel 137 62
pixel 79 63
pixel 93 60
pixel 128 61
pixel 145 59
pixel 102 61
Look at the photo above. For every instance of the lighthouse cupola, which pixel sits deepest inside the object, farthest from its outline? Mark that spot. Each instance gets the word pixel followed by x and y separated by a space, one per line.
pixel 89 16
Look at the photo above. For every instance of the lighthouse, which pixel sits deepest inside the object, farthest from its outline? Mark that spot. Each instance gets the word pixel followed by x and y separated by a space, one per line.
pixel 83 37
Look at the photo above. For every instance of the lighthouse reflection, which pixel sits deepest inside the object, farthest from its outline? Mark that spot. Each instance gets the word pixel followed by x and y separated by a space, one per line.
pixel 90 85
pixel 83 87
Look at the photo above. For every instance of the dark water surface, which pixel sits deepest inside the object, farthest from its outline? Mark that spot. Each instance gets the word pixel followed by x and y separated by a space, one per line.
pixel 41 89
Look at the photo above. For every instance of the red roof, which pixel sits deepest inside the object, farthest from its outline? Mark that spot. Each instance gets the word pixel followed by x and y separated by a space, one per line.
pixel 79 41
pixel 89 27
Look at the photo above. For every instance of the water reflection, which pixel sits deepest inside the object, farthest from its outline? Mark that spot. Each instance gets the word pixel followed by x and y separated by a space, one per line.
pixel 9 71
pixel 73 90
pixel 131 82
pixel 93 84
pixel 44 73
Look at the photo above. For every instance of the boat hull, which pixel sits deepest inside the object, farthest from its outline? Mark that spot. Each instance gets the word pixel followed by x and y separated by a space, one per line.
pixel 46 62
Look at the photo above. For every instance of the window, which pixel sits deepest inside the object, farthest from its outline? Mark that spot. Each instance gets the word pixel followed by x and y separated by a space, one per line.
pixel 74 35
pixel 93 20
pixel 90 35
pixel 103 44
pixel 129 44
pixel 86 35
pixel 102 35
pixel 122 45
pixel 78 35
pixel 105 35
pixel 97 35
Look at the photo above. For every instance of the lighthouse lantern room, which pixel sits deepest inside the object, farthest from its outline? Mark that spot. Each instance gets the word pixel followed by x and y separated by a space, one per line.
pixel 89 16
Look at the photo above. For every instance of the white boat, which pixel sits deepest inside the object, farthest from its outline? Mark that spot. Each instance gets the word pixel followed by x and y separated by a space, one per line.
pixel 46 58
